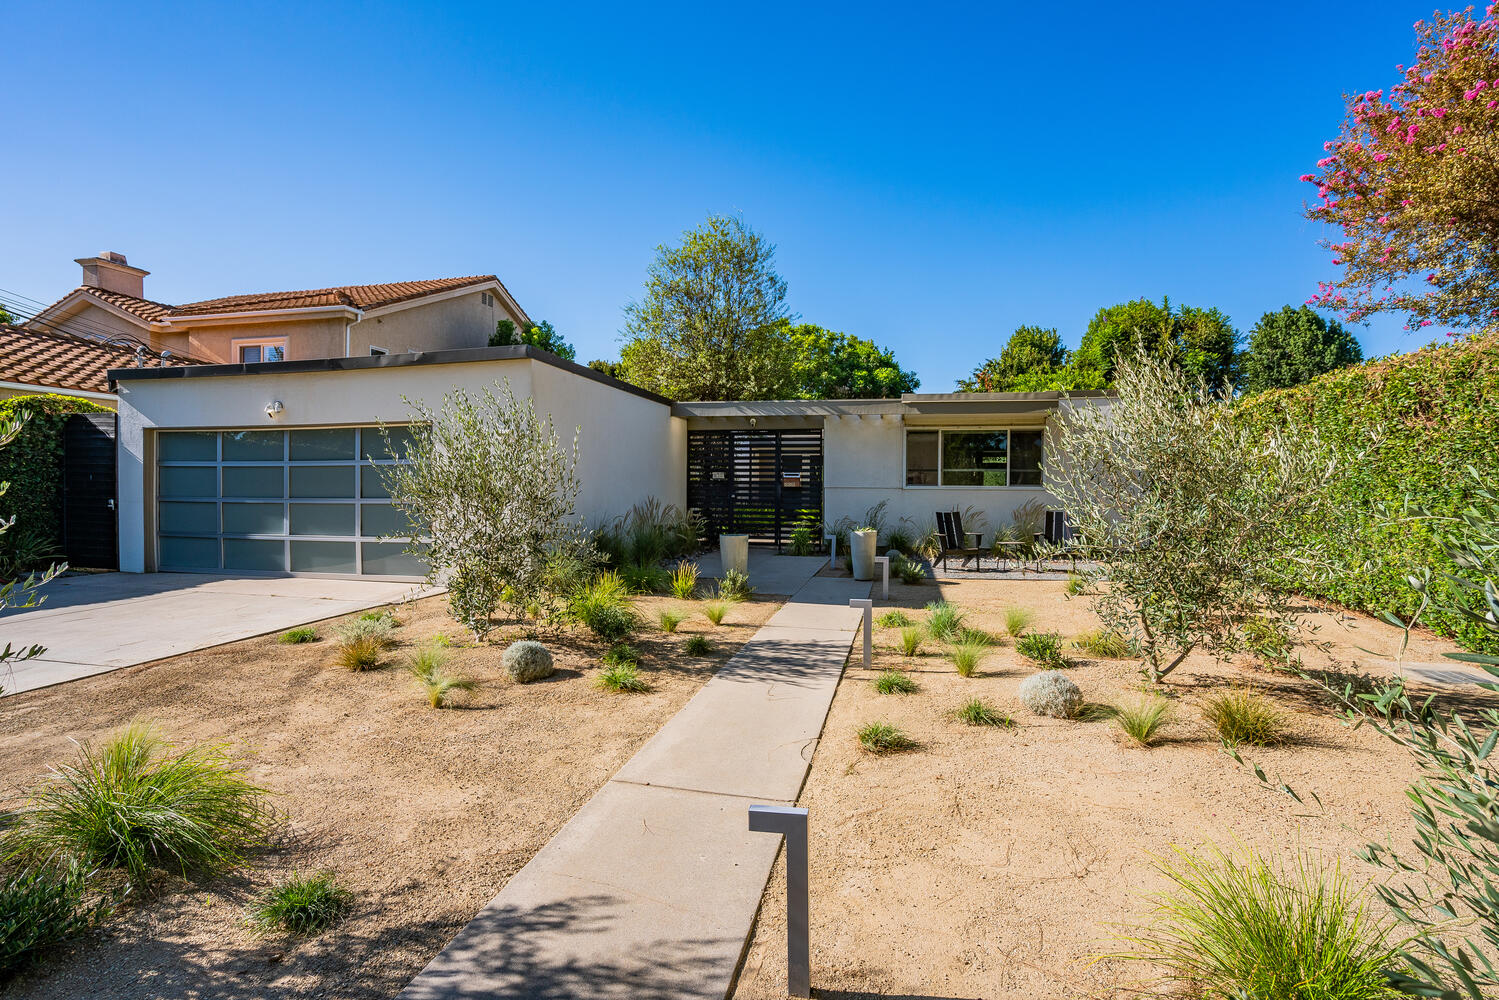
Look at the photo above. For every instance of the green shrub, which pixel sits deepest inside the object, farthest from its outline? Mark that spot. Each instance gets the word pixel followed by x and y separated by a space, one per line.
pixel 670 618
pixel 684 580
pixel 1043 647
pixel 881 737
pixel 1105 645
pixel 622 652
pixel 965 658
pixel 1143 720
pixel 622 676
pixel 645 578
pixel 603 607
pixel 715 611
pixel 698 645
pixel 909 572
pixel 894 682
pixel 381 615
pixel 42 905
pixel 301 904
pixel 943 620
pixel 734 586
pixel 359 654
pixel 1432 412
pixel 977 712
pixel 801 542
pixel 1018 620
pixel 973 637
pixel 1244 716
pixel 379 630
pixel 893 619
pixel 1233 926
pixel 298 635
pixel 138 802
pixel 32 464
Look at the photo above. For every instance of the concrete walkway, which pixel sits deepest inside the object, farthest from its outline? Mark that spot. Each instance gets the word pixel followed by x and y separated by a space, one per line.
pixel 651 889
pixel 769 573
pixel 95 623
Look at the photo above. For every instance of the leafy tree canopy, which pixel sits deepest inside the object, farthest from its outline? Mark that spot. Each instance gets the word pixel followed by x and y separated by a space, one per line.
pixel 542 335
pixel 827 364
pixel 1201 341
pixel 710 325
pixel 6 316
pixel 1410 181
pixel 1294 346
pixel 1031 355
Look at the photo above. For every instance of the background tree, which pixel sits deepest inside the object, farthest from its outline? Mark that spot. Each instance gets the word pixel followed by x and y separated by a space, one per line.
pixel 1293 346
pixel 6 316
pixel 709 324
pixel 1030 353
pixel 611 368
pixel 1201 341
pixel 541 334
pixel 827 364
pixel 1190 511
pixel 496 492
pixel 1412 181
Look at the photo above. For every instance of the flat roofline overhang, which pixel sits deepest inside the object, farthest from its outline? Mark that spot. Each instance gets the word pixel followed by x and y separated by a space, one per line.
pixel 476 355
pixel 951 404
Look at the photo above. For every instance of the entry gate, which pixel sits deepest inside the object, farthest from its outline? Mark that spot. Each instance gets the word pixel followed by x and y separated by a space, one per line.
pixel 757 483
pixel 89 528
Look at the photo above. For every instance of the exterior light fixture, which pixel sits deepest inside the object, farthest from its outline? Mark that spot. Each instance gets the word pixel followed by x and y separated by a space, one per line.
pixel 273 409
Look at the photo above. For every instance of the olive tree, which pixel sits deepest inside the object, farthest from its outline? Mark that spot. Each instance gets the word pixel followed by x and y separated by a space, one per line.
pixel 495 490
pixel 1190 514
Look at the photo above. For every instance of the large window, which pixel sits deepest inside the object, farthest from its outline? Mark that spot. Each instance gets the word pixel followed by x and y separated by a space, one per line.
pixel 974 457
pixel 302 501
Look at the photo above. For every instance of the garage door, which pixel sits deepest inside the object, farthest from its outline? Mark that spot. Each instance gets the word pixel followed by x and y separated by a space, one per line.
pixel 302 501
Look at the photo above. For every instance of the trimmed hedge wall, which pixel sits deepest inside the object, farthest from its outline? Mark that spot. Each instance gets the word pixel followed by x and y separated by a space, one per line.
pixel 1423 418
pixel 32 464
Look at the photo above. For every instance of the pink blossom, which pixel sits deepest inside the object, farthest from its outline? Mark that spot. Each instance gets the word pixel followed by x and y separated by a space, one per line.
pixel 1308 177
pixel 1381 157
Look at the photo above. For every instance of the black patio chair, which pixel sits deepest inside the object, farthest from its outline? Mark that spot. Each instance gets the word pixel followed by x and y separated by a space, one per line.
pixel 955 540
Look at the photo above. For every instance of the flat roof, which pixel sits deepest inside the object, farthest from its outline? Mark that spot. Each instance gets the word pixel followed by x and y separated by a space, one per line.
pixel 911 402
pixel 513 352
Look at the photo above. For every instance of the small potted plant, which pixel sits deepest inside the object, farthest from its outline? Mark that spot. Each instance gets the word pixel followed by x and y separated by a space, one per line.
pixel 862 543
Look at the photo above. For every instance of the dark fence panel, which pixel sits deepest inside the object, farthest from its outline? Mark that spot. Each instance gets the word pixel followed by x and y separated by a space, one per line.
pixel 758 483
pixel 90 531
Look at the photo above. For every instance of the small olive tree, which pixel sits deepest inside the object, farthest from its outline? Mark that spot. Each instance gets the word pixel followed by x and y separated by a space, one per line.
pixel 1189 514
pixel 495 490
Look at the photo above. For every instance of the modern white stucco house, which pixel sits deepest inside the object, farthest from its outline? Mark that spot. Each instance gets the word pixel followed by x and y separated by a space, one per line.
pixel 271 467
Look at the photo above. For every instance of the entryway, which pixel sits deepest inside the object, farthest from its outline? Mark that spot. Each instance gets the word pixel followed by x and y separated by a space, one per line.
pixel 761 483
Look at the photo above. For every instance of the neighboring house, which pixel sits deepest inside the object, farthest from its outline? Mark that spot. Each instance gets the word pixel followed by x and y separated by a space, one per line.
pixel 347 321
pixel 274 467
pixel 34 361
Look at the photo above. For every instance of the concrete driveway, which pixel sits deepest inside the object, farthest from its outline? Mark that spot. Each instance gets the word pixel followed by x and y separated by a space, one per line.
pixel 96 623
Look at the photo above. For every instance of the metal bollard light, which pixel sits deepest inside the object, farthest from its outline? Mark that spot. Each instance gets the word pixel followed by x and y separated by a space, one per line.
pixel 832 541
pixel 791 823
pixel 884 562
pixel 867 603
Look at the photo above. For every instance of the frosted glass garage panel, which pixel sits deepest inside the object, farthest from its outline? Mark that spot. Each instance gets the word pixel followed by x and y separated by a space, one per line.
pixel 189 553
pixel 391 559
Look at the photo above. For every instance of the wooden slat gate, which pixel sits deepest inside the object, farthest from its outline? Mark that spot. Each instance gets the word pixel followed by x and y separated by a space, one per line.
pixel 89 525
pixel 758 483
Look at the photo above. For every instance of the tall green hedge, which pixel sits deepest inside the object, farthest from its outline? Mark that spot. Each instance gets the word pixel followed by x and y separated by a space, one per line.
pixel 1414 422
pixel 32 464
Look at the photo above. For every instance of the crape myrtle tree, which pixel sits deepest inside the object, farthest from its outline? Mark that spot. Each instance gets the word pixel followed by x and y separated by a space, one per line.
pixel 496 490
pixel 1411 185
pixel 710 325
pixel 1294 346
pixel 1189 512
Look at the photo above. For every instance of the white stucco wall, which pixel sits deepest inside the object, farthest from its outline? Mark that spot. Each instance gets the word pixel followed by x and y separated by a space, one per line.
pixel 630 447
pixel 864 463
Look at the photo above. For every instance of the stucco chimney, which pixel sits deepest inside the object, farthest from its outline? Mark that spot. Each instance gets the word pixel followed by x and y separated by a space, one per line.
pixel 110 272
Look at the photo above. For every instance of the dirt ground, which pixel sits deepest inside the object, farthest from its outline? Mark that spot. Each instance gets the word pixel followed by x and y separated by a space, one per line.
pixel 424 814
pixel 996 864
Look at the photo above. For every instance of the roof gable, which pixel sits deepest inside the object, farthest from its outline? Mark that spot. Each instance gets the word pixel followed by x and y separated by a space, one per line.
pixel 63 361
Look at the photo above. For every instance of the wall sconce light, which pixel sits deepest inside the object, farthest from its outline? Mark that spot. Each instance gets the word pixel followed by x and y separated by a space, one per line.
pixel 754 421
pixel 273 409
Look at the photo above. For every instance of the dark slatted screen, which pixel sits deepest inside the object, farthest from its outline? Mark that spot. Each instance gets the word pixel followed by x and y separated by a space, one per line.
pixel 758 483
pixel 89 528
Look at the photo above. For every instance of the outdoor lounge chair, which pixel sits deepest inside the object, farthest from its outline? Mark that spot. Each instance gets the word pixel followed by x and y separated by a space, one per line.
pixel 955 540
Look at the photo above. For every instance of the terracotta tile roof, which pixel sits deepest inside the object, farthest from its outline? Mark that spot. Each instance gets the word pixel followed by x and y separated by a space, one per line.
pixel 144 308
pixel 64 361
pixel 358 296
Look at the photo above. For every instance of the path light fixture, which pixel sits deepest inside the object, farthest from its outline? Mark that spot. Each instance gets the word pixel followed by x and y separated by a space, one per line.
pixel 791 823
pixel 867 603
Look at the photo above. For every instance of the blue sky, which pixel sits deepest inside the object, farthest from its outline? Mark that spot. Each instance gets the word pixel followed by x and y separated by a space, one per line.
pixel 932 175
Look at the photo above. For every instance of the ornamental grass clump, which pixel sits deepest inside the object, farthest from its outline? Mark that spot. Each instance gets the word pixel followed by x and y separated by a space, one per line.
pixel 1243 715
pixel 697 645
pixel 910 641
pixel 379 630
pixel 684 580
pixel 137 802
pixel 1105 644
pixel 715 611
pixel 622 676
pixel 1234 927
pixel 965 658
pixel 303 905
pixel 894 682
pixel 670 618
pixel 359 654
pixel 43 904
pixel 978 712
pixel 1051 693
pixel 943 620
pixel 1142 721
pixel 429 667
pixel 645 578
pixel 295 636
pixel 1018 621
pixel 894 619
pixel 603 607
pixel 883 738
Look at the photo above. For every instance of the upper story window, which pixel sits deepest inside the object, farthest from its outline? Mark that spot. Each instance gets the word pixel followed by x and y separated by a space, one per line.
pixel 251 352
pixel 974 458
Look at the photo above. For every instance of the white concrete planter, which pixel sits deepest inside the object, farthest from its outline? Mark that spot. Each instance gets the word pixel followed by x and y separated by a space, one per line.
pixel 861 554
pixel 733 552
